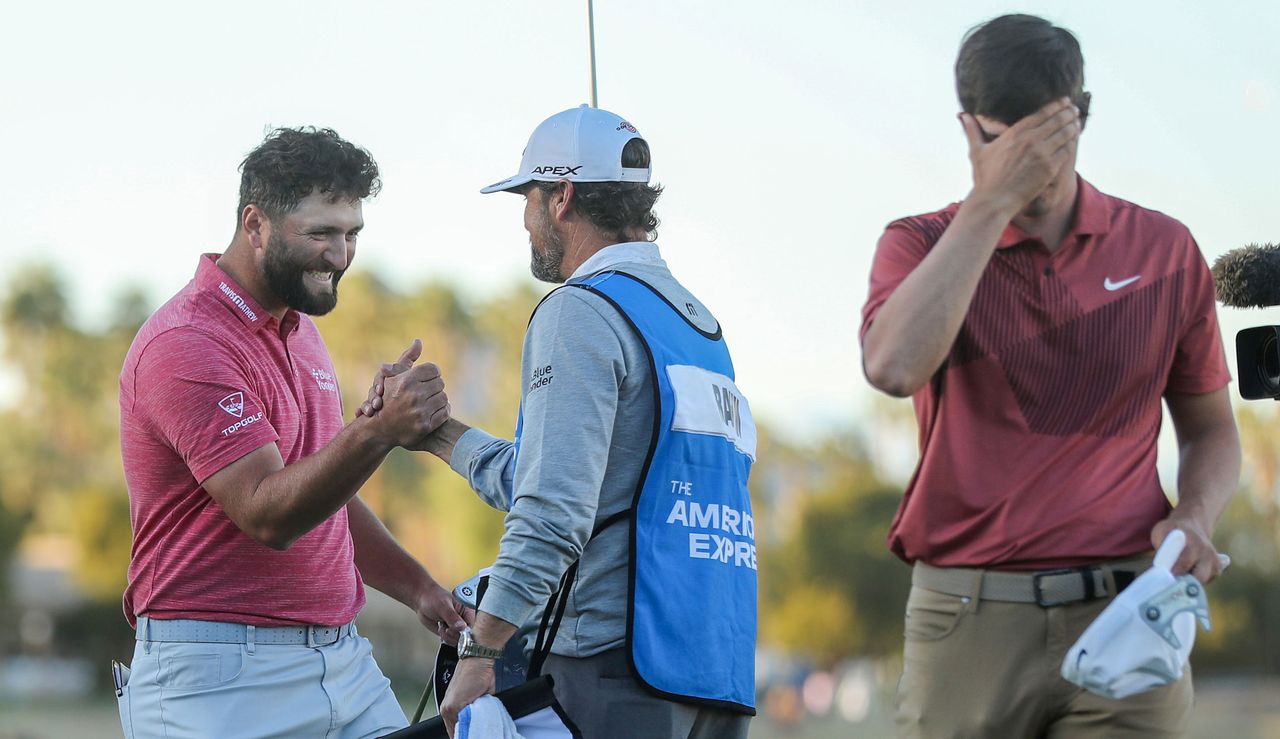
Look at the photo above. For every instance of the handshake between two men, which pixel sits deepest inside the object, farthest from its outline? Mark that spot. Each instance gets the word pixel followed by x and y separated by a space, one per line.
pixel 408 400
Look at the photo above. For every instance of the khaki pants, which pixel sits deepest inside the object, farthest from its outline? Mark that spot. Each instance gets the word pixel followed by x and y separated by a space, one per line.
pixel 975 668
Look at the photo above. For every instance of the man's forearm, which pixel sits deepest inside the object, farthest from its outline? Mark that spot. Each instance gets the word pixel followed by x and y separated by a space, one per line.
pixel 491 631
pixel 383 563
pixel 442 441
pixel 916 327
pixel 1208 473
pixel 1208 455
pixel 488 463
pixel 294 499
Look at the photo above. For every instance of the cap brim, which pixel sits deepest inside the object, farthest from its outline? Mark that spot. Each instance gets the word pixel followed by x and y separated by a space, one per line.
pixel 507 184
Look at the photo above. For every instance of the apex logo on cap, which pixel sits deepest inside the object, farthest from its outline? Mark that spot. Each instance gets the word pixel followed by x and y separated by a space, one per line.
pixel 627 126
pixel 233 404
pixel 560 171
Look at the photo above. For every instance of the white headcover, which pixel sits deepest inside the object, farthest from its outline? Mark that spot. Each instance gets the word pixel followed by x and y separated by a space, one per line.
pixel 1136 644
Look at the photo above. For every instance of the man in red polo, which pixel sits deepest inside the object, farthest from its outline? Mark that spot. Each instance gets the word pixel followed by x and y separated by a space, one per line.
pixel 1037 325
pixel 251 545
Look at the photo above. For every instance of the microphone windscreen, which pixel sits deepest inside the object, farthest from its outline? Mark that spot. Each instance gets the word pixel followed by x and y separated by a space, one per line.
pixel 1249 277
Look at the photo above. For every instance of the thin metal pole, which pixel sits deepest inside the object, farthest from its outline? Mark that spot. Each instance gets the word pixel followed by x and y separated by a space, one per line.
pixel 591 36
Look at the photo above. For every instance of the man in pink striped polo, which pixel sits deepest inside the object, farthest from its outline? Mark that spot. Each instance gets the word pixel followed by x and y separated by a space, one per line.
pixel 251 545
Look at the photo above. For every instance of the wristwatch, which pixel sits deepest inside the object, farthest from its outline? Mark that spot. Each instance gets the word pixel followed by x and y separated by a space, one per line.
pixel 468 647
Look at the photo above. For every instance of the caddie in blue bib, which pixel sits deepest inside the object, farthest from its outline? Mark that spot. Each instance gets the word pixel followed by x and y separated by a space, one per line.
pixel 691 626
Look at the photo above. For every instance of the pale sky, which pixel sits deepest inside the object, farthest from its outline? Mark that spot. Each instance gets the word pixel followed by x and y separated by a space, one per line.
pixel 786 134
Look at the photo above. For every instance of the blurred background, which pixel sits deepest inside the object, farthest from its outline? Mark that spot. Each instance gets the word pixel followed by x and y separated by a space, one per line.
pixel 786 135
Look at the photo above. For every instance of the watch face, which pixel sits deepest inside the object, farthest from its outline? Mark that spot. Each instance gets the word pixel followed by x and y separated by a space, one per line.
pixel 467 647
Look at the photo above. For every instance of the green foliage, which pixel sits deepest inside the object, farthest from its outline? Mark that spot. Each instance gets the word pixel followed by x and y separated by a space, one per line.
pixel 1244 602
pixel 830 589
pixel 99 518
pixel 35 303
pixel 59 454
pixel 12 526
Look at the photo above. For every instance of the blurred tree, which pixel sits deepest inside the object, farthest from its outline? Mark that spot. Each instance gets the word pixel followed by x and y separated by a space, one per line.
pixel 12 525
pixel 1245 602
pixel 1260 474
pixel 36 302
pixel 59 457
pixel 830 588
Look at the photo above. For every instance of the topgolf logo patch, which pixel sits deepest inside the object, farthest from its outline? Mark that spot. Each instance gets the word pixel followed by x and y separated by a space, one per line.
pixel 233 404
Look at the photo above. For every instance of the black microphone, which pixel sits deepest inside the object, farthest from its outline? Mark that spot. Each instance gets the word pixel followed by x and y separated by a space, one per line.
pixel 1248 277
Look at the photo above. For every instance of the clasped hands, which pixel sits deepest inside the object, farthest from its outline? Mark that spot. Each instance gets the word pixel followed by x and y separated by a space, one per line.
pixel 408 400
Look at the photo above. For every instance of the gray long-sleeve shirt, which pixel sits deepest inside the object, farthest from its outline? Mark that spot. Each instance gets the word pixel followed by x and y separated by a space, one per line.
pixel 588 420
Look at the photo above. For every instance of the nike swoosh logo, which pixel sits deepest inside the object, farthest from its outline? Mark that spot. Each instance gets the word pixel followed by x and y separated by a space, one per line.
pixel 1113 286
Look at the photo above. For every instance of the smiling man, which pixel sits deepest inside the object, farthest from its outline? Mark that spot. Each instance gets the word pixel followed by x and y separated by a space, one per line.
pixel 1037 326
pixel 251 546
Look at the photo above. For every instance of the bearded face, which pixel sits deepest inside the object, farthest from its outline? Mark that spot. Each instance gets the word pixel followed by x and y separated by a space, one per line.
pixel 546 247
pixel 302 279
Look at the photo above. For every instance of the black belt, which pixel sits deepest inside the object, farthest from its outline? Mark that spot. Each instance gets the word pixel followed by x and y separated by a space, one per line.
pixel 1045 588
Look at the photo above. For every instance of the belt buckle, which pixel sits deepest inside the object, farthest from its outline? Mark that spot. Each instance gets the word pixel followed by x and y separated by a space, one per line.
pixel 321 636
pixel 1086 578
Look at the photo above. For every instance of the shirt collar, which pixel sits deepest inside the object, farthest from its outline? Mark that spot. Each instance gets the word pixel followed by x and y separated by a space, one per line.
pixel 211 278
pixel 1092 218
pixel 614 254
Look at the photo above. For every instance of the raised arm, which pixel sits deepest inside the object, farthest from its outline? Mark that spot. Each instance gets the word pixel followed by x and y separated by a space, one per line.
pixel 914 329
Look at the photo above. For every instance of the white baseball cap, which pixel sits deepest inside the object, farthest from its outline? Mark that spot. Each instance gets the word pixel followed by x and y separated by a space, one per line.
pixel 582 144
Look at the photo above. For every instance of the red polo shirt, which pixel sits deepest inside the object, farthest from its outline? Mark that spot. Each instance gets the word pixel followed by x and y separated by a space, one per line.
pixel 1038 435
pixel 211 376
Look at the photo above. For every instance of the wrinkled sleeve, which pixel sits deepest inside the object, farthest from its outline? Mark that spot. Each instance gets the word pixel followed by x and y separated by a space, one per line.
pixel 199 397
pixel 1199 363
pixel 572 369
pixel 900 250
pixel 488 464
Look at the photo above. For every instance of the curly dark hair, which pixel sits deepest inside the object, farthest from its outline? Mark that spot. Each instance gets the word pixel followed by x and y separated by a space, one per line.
pixel 618 208
pixel 1011 66
pixel 292 162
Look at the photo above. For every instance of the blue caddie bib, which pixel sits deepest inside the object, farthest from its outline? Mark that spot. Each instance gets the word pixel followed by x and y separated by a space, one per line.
pixel 691 626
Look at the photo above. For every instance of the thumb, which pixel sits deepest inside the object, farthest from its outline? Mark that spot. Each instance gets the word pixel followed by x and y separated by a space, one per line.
pixel 1159 532
pixel 411 354
pixel 972 131
pixel 457 619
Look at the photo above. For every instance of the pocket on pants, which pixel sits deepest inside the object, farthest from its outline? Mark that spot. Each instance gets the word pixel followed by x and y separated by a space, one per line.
pixel 932 615
pixel 199 666
pixel 126 723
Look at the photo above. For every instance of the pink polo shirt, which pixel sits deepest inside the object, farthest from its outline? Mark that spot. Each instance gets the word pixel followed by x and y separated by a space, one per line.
pixel 1038 434
pixel 211 376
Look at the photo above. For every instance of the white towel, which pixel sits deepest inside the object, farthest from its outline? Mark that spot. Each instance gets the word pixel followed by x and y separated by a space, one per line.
pixel 486 718
pixel 1121 653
